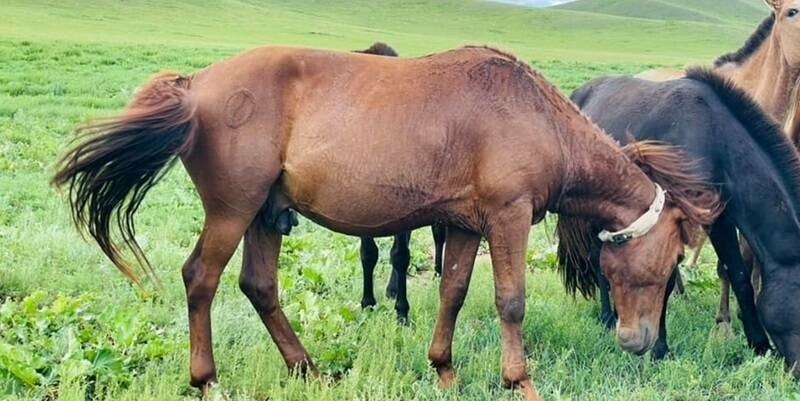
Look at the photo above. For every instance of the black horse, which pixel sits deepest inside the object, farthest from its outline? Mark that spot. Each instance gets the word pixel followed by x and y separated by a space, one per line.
pixel 758 172
pixel 400 254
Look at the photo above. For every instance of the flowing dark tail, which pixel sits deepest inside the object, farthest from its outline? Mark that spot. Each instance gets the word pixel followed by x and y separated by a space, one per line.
pixel 114 162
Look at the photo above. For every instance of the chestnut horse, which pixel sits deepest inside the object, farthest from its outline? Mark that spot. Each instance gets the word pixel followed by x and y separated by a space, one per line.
pixel 400 253
pixel 372 146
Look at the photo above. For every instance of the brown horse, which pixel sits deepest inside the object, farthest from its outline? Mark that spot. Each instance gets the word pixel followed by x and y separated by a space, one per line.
pixel 400 253
pixel 373 146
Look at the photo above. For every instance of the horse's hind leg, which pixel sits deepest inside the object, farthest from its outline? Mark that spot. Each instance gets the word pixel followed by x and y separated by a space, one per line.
pixel 401 258
pixel 369 258
pixel 201 274
pixel 259 281
pixel 459 258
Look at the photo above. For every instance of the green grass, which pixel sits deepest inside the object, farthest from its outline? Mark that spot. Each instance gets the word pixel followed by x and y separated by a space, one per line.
pixel 72 317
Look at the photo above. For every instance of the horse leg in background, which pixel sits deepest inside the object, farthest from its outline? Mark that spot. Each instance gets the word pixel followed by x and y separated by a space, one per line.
pixel 259 281
pixel 751 262
pixel 369 258
pixel 726 244
pixel 439 237
pixel 608 317
pixel 696 252
pixel 661 348
pixel 724 310
pixel 459 258
pixel 679 288
pixel 508 241
pixel 401 257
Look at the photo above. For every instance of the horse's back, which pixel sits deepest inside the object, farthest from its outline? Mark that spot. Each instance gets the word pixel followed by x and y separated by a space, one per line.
pixel 631 108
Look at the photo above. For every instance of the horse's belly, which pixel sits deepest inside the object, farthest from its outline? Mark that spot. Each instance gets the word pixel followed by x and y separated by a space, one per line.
pixel 358 200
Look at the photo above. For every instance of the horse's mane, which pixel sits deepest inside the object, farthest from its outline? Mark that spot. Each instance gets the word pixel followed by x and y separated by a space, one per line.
pixel 764 131
pixel 379 49
pixel 666 165
pixel 751 45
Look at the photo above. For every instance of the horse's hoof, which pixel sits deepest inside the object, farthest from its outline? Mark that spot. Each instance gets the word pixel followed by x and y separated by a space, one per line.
pixel 447 377
pixel 723 330
pixel 368 303
pixel 214 392
pixel 761 348
pixel 403 320
pixel 528 391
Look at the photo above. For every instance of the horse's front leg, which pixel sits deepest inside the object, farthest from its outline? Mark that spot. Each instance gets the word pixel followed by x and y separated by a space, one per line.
pixel 508 241
pixel 459 259
pixel 723 238
pixel 608 318
pixel 661 347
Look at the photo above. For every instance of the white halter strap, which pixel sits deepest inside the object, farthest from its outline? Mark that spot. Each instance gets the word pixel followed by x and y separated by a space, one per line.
pixel 641 226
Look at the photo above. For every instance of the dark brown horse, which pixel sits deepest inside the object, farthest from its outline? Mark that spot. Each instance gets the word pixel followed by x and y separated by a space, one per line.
pixel 400 253
pixel 471 138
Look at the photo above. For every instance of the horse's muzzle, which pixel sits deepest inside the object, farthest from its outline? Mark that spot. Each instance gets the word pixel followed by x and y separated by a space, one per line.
pixel 636 341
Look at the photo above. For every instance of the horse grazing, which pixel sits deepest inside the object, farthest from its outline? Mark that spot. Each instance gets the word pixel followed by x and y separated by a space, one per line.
pixel 738 146
pixel 471 138
pixel 400 253
pixel 766 67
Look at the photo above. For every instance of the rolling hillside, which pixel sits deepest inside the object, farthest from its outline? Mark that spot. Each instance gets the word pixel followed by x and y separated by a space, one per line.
pixel 415 27
pixel 714 11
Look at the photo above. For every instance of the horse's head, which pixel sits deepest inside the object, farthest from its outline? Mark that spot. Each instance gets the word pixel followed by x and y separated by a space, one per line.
pixel 639 268
pixel 639 259
pixel 787 28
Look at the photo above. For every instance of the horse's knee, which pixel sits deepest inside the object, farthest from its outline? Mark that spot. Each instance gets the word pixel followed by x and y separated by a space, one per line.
pixel 511 309
pixel 262 293
pixel 400 256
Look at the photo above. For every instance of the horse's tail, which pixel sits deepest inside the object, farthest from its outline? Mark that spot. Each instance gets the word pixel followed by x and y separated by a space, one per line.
pixel 117 160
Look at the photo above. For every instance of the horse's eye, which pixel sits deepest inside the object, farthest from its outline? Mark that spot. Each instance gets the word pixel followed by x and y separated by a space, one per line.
pixel 791 13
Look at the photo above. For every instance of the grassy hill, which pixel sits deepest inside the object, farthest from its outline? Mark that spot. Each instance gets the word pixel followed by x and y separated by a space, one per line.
pixel 414 27
pixel 714 11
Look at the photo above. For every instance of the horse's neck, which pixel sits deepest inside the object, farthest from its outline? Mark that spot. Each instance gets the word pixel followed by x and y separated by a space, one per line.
pixel 766 77
pixel 601 183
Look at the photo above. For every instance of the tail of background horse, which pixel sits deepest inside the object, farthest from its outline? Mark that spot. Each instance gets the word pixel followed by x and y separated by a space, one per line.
pixel 115 161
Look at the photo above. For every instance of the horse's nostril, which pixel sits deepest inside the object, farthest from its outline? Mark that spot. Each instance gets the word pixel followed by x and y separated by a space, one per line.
pixel 626 335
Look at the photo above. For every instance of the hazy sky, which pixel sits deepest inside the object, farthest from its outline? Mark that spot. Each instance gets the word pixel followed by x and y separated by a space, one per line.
pixel 534 3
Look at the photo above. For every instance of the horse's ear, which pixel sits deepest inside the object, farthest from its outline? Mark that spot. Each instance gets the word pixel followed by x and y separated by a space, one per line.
pixel 774 5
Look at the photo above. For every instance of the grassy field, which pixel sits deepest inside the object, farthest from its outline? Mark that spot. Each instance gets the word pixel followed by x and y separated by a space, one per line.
pixel 71 327
pixel 730 12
